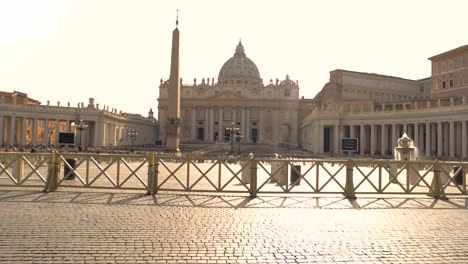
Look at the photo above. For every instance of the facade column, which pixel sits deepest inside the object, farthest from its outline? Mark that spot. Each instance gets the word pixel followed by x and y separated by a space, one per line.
pixel 207 126
pixel 247 126
pixel 362 140
pixel 428 139
pixel 260 126
pixel 275 127
pixel 243 124
pixel 162 127
pixel 68 126
pixel 464 140
pixel 452 139
pixel 373 139
pixel 234 117
pixel 194 124
pixel 34 130
pixel 220 126
pixel 211 123
pixel 320 137
pixel 439 140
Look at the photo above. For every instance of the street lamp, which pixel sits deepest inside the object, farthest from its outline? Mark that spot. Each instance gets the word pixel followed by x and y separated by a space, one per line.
pixel 234 133
pixel 80 127
pixel 132 134
pixel 238 140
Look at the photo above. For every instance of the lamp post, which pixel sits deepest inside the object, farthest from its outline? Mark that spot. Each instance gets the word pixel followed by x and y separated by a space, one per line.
pixel 234 133
pixel 132 134
pixel 80 127
pixel 238 140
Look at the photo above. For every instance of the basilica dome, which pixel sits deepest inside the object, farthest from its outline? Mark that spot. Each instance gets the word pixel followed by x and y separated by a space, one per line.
pixel 239 69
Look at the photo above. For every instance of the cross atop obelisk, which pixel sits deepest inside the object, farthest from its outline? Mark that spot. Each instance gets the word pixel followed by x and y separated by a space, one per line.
pixel 173 111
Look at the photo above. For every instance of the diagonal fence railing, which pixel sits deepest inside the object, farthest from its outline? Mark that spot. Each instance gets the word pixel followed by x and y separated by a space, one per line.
pixel 155 172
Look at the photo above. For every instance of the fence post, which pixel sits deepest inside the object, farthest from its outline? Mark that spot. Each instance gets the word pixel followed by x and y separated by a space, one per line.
pixel 152 173
pixel 253 177
pixel 437 189
pixel 18 169
pixel 52 173
pixel 349 186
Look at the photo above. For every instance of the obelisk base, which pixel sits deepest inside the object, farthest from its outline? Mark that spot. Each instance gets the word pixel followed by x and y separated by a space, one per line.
pixel 172 144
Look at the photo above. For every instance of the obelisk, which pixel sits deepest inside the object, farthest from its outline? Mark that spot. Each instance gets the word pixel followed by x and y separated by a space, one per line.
pixel 173 111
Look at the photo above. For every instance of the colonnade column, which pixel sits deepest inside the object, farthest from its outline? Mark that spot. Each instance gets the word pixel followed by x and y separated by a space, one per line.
pixel 57 131
pixel 439 139
pixel 362 140
pixel 383 140
pixel 194 124
pixel 1 130
pixel 394 138
pixel 336 133
pixel 11 136
pixel 351 131
pixel 452 139
pixel 464 140
pixel 211 124
pixel 23 132
pixel 373 139
pixel 45 138
pixel 320 137
pixel 416 134
pixel 428 139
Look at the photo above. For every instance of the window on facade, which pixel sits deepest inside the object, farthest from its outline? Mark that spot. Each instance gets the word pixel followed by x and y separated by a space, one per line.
pixel 287 92
pixel 451 83
pixel 443 84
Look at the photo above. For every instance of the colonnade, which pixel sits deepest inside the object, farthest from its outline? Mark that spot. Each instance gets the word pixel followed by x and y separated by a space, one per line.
pixel 23 130
pixel 433 139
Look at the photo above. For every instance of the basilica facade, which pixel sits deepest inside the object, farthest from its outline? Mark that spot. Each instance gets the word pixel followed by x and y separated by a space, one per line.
pixel 238 101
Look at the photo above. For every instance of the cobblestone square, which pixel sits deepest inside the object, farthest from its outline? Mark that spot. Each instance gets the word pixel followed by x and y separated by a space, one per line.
pixel 127 227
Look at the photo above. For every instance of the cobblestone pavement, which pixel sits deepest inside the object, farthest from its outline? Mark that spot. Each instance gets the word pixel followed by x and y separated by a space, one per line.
pixel 124 227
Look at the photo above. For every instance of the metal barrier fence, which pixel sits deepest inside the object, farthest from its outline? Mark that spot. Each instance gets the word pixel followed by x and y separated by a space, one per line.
pixel 154 172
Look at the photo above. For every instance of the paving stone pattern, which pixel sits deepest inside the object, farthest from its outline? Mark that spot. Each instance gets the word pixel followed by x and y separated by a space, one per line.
pixel 125 227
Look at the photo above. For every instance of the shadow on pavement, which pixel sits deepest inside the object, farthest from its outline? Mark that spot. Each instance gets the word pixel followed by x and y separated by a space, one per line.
pixel 229 200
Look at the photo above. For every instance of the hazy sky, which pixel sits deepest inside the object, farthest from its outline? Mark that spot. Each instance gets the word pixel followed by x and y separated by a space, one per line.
pixel 117 51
